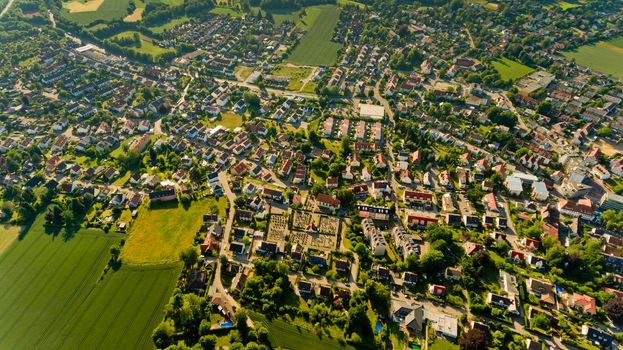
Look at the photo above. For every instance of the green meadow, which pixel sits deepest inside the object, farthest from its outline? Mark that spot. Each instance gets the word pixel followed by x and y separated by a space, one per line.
pixel 316 47
pixel 52 296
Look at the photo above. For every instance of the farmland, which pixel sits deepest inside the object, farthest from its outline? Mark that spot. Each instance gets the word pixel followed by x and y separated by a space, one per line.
pixel 90 11
pixel 159 234
pixel 604 57
pixel 316 47
pixel 172 23
pixel 8 234
pixel 510 69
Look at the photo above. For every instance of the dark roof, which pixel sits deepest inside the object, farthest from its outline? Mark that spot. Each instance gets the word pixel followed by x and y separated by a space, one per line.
pixel 162 193
pixel 236 247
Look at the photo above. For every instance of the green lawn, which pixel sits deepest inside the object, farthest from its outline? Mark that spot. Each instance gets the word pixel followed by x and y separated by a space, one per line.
pixel 352 3
pixel 227 11
pixel 172 23
pixel 159 234
pixel 442 344
pixel 228 119
pixel 296 75
pixel 604 57
pixel 107 11
pixel 281 15
pixel 284 334
pixel 562 4
pixel 148 46
pixel 510 69
pixel 316 47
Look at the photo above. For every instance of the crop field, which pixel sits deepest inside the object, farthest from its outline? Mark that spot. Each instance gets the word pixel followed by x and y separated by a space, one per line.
pixel 316 47
pixel 159 234
pixel 128 302
pixel 148 46
pixel 8 234
pixel 510 69
pixel 227 11
pixel 563 4
pixel 604 57
pixel 91 11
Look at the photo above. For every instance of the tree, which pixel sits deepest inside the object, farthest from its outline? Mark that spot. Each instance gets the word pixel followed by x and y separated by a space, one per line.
pixel 433 261
pixel 114 252
pixel 555 255
pixel 251 99
pixel 474 339
pixel 540 321
pixel 189 256
pixel 379 296
pixel 163 334
pixel 614 309
pixel 208 342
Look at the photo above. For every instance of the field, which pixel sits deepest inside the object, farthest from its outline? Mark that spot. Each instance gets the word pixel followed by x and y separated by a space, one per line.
pixel 107 10
pixel 604 57
pixel 316 47
pixel 296 75
pixel 158 235
pixel 562 4
pixel 225 10
pixel 228 119
pixel 147 44
pixel 510 69
pixel 129 301
pixel 169 25
pixel 287 335
pixel 8 234
pixel 243 72
pixel 442 344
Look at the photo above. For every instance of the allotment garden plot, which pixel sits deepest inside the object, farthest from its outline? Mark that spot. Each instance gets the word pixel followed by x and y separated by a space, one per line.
pixel 307 229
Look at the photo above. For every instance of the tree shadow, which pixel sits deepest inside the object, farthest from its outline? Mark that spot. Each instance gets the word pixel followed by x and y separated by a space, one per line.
pixel 24 231
pixel 115 265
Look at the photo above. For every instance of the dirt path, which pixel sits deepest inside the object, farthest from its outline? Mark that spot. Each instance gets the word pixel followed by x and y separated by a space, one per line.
pixel 309 78
pixel 6 8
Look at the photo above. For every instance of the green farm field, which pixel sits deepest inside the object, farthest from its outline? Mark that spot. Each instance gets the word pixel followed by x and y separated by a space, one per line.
pixel 510 69
pixel 604 57
pixel 51 297
pixel 316 47
pixel 108 10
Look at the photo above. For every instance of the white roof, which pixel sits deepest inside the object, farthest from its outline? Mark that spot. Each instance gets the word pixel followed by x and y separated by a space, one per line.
pixel 514 184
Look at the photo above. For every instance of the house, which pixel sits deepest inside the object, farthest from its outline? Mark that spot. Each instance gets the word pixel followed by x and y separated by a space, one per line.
pixel 490 203
pixel 270 193
pixel 164 195
pixel 418 198
pixel 583 303
pixel 419 219
pixel 542 289
pixel 437 290
pixel 516 257
pixel 327 202
pixel 408 315
pixel 342 265
pixel 583 208
pixel 305 288
pixel 373 212
pixel 409 278
pixel 505 303
pixel 378 244
pixel 445 326
pixel 599 338
pixel 539 191
pixel 452 274
pixel 266 248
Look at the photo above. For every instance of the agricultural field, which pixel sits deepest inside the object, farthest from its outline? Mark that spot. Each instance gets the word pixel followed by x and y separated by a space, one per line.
pixel 160 233
pixel 604 57
pixel 87 12
pixel 510 69
pixel 284 334
pixel 148 46
pixel 137 15
pixel 172 23
pixel 8 234
pixel 316 47
pixel 129 301
pixel 563 4
pixel 296 75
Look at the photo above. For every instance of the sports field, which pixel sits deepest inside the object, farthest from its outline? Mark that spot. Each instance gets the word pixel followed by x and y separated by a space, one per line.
pixel 316 47
pixel 90 11
pixel 605 57
pixel 158 235
pixel 51 298
pixel 510 69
